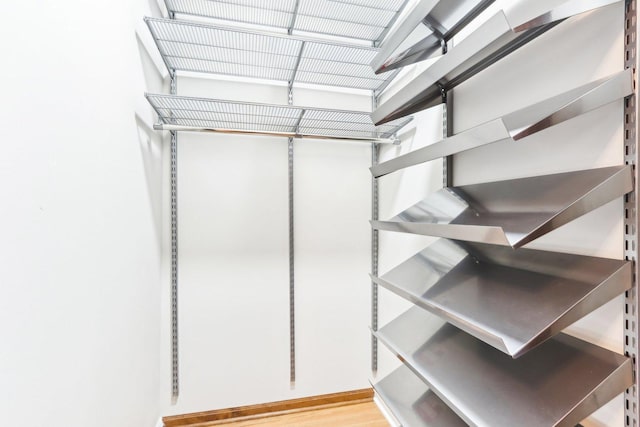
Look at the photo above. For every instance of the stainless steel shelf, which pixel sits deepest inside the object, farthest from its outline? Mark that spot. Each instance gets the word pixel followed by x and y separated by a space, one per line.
pixel 512 300
pixel 187 46
pixel 359 19
pixel 512 212
pixel 522 123
pixel 203 114
pixel 440 20
pixel 492 41
pixel 558 384
pixel 412 403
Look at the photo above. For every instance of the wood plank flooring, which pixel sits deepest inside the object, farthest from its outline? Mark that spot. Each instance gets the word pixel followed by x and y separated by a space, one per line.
pixel 354 415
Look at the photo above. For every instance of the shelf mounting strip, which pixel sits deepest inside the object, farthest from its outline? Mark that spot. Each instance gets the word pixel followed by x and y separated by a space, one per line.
pixel 632 297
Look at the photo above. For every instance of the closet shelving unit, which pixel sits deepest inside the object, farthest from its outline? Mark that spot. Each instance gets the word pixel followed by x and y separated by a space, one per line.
pixel 500 310
pixel 308 42
pixel 496 38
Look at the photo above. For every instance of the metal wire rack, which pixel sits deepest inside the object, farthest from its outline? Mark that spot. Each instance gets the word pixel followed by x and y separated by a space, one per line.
pixel 280 120
pixel 361 19
pixel 188 46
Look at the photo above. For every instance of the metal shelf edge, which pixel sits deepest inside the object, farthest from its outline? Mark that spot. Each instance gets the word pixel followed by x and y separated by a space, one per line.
pixel 402 30
pixel 412 403
pixel 430 14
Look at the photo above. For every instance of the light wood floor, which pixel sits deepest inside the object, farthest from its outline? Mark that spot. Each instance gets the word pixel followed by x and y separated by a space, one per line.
pixel 356 415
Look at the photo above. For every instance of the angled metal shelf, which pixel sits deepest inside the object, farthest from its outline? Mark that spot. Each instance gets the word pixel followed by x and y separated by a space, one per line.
pixel 412 403
pixel 492 41
pixel 558 384
pixel 512 300
pixel 512 212
pixel 520 124
pixel 358 19
pixel 188 46
pixel 211 115
pixel 440 20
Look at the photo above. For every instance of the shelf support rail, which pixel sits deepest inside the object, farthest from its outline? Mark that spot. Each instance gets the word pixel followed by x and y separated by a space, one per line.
pixel 294 73
pixel 292 301
pixel 292 278
pixel 447 125
pixel 374 251
pixel 632 297
pixel 175 380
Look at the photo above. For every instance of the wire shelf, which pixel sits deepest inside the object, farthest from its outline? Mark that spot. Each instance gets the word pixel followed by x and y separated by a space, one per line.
pixel 211 114
pixel 202 48
pixel 359 19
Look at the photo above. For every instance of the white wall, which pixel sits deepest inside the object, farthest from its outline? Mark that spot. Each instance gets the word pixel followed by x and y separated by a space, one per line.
pixel 234 263
pixel 571 54
pixel 80 218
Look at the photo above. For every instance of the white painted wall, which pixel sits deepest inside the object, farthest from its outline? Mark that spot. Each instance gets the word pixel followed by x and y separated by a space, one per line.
pixel 234 263
pixel 571 54
pixel 80 218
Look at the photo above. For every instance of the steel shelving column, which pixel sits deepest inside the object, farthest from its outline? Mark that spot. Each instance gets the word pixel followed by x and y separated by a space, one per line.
pixel 175 382
pixel 632 301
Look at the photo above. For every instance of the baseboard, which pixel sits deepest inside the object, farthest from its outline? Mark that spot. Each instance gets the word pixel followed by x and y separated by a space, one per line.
pixel 269 409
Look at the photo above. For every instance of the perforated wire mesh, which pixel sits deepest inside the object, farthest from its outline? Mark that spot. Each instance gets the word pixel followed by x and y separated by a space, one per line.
pixel 277 13
pixel 209 49
pixel 361 19
pixel 212 113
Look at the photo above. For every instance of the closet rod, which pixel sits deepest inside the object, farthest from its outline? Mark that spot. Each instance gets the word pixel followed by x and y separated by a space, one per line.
pixel 169 127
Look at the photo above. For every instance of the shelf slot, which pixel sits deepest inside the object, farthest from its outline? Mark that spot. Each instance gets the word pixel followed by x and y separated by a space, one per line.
pixel 511 212
pixel 188 46
pixel 184 113
pixel 558 384
pixel 412 403
pixel 362 19
pixel 512 300
pixel 520 124
pixel 493 40
pixel 433 22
